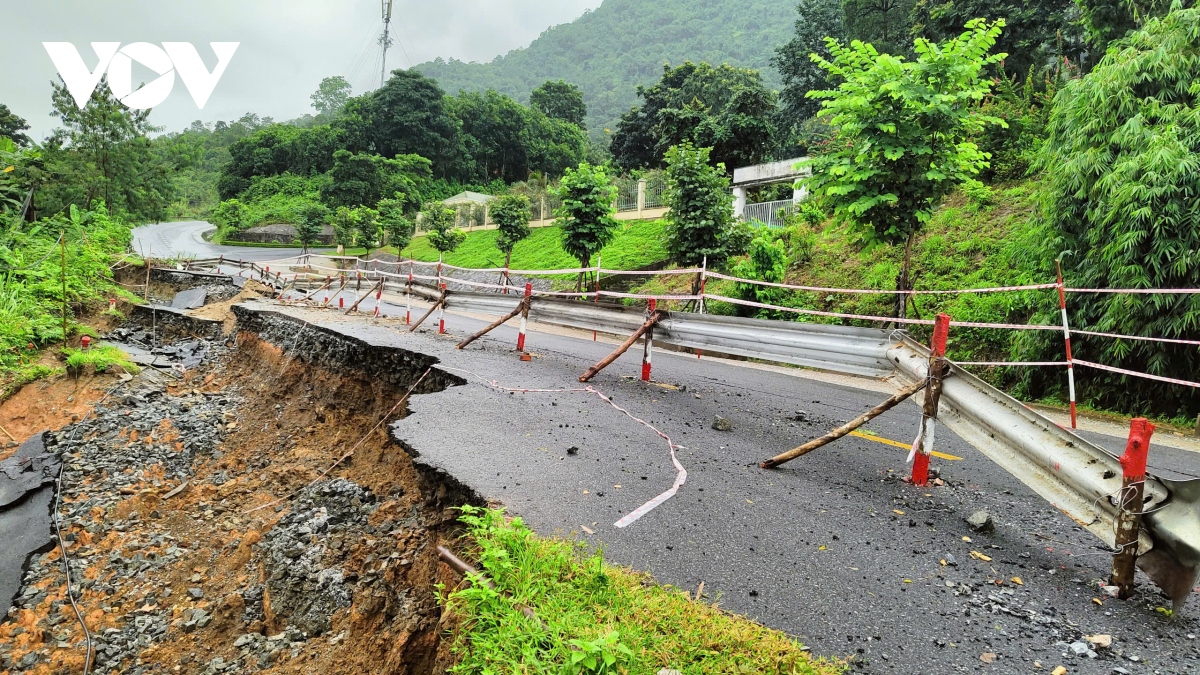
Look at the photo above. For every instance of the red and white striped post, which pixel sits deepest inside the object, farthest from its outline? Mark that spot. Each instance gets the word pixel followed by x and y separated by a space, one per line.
pixel 703 283
pixel 1062 303
pixel 408 297
pixel 648 344
pixel 341 302
pixel 524 318
pixel 378 300
pixel 923 446
pixel 442 311
pixel 112 304
pixel 597 298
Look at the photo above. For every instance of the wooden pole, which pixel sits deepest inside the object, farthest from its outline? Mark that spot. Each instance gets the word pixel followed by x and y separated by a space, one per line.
pixel 844 429
pixel 1129 514
pixel 938 368
pixel 427 314
pixel 354 307
pixel 519 309
pixel 657 316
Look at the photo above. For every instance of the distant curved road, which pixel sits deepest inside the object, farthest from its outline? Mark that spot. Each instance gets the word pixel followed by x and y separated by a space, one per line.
pixel 185 240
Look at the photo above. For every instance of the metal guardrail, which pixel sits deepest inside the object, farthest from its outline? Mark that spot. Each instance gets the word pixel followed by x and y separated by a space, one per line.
pixel 1076 476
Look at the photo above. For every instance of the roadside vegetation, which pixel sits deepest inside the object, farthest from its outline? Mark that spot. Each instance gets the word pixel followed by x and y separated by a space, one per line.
pixel 596 618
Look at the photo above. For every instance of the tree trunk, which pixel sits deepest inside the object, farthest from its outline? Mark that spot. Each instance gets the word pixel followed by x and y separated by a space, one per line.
pixel 902 281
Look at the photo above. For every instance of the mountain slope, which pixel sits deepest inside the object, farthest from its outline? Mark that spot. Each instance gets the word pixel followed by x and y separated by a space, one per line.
pixel 624 43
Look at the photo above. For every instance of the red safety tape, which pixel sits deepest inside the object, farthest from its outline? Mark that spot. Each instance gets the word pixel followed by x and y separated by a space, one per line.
pixel 820 289
pixel 614 294
pixel 749 303
pixel 1136 291
pixel 1135 337
pixel 1135 373
pixel 1009 363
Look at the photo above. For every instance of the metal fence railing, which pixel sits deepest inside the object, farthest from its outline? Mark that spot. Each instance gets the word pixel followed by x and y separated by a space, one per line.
pixel 771 214
pixel 627 194
pixel 656 191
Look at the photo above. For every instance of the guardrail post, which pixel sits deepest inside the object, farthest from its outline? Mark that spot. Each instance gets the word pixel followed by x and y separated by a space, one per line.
pixel 648 344
pixel 442 312
pixel 379 298
pixel 1062 303
pixel 524 317
pixel 923 446
pixel 408 298
pixel 1129 507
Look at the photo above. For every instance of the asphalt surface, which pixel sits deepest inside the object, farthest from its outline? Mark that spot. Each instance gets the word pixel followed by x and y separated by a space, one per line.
pixel 833 548
pixel 186 240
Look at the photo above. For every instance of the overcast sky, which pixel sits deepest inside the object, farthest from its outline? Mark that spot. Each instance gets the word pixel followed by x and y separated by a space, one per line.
pixel 287 46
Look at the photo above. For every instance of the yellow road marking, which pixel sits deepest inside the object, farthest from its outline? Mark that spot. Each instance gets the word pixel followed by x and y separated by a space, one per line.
pixel 898 444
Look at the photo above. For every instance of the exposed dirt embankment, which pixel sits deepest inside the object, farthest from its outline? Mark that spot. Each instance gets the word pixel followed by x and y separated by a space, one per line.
pixel 211 527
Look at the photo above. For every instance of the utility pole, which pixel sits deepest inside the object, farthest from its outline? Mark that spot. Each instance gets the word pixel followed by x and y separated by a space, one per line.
pixel 385 40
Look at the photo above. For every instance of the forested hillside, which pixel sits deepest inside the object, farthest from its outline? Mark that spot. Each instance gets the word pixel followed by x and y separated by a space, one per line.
pixel 625 43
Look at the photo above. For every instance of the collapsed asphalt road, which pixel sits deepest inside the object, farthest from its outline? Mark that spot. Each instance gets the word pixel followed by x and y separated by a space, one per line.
pixel 833 548
pixel 186 240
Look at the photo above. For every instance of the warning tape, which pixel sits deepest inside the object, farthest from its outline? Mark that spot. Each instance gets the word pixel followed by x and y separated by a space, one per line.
pixel 867 291
pixel 1134 373
pixel 1137 291
pixel 1136 337
pixel 680 471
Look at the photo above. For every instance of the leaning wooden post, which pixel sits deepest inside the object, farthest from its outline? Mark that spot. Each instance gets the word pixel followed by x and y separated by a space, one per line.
pixel 938 367
pixel 657 316
pixel 520 308
pixel 844 429
pixel 427 314
pixel 354 307
pixel 1129 513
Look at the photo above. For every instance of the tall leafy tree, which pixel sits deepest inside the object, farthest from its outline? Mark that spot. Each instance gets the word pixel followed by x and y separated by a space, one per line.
pixel 1106 20
pixel 818 19
pixel 492 126
pixel 904 134
pixel 395 221
pixel 725 107
pixel 1038 34
pixel 560 100
pixel 359 179
pixel 331 96
pixel 585 217
pixel 103 151
pixel 700 222
pixel 884 23
pixel 511 213
pixel 438 221
pixel 408 115
pixel 13 126
pixel 310 223
pixel 1122 172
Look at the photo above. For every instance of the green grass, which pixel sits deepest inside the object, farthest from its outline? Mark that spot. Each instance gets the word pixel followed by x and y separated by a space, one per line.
pixel 12 379
pixel 99 359
pixel 597 618
pixel 637 244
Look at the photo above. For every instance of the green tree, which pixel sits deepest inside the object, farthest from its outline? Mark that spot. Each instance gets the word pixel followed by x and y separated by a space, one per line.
pixel 767 261
pixel 231 216
pixel 725 107
pixel 395 222
pixel 1122 171
pixel 310 224
pixel 369 231
pixel 904 134
pixel 819 19
pixel 585 217
pixel 560 100
pixel 700 221
pixel 330 97
pixel 511 213
pixel 1038 34
pixel 883 23
pixel 13 126
pixel 103 151
pixel 1106 20
pixel 439 220
pixel 345 225
pixel 359 179
pixel 407 116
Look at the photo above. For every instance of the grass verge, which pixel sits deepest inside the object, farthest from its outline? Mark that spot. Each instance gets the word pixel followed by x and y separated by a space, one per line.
pixel 597 618
pixel 637 244
pixel 99 359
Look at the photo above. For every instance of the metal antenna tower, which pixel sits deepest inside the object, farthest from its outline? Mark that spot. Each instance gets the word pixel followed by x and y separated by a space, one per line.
pixel 385 40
